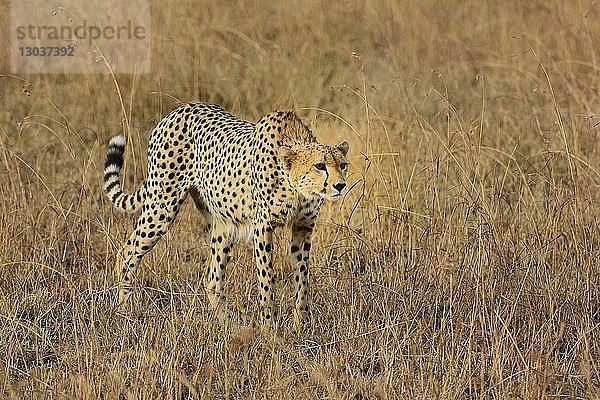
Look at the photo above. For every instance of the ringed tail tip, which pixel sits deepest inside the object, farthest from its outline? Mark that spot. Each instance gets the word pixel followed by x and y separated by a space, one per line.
pixel 118 141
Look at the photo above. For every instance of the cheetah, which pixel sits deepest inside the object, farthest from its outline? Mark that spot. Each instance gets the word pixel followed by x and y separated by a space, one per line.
pixel 246 179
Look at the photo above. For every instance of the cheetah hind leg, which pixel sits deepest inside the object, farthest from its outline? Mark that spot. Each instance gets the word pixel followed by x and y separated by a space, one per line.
pixel 221 246
pixel 220 255
pixel 151 225
pixel 204 212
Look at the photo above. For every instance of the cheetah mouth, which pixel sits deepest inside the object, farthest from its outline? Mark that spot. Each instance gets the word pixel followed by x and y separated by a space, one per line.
pixel 335 196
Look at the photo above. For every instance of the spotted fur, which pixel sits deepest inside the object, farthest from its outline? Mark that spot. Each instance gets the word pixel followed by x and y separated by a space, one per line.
pixel 245 178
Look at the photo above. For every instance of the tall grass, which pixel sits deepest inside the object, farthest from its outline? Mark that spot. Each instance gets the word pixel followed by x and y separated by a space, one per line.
pixel 464 262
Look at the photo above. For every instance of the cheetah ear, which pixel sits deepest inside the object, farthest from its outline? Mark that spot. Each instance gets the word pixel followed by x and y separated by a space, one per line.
pixel 343 147
pixel 287 156
pixel 290 114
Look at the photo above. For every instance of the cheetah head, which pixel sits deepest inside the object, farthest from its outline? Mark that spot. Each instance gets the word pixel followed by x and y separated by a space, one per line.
pixel 315 169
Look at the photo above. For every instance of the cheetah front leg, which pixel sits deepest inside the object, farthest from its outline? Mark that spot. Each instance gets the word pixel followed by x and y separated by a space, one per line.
pixel 299 256
pixel 263 255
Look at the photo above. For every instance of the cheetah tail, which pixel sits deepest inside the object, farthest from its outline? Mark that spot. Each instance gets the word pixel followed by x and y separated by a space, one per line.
pixel 112 186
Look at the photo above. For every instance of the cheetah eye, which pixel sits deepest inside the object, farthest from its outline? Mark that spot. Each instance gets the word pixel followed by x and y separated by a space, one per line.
pixel 321 166
pixel 344 166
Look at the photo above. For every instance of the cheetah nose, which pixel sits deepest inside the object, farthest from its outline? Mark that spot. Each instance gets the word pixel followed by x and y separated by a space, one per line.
pixel 339 186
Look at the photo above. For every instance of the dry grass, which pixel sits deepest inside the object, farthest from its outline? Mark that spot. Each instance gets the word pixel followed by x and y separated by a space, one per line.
pixel 463 264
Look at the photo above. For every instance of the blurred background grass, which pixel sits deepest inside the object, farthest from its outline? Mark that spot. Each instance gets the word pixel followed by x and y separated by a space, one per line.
pixel 463 264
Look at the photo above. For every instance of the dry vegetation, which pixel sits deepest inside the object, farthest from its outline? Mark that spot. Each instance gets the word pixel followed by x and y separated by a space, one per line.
pixel 463 264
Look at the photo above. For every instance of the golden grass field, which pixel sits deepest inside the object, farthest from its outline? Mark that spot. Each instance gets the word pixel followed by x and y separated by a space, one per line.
pixel 464 263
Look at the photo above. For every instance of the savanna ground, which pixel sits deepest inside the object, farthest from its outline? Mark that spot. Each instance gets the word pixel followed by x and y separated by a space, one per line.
pixel 463 264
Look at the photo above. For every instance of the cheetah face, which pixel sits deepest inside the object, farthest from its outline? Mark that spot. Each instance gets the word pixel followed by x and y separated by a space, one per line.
pixel 316 170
